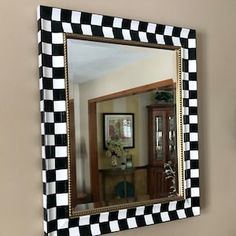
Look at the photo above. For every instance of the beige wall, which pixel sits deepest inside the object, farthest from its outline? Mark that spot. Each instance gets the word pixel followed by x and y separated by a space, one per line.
pixel 20 169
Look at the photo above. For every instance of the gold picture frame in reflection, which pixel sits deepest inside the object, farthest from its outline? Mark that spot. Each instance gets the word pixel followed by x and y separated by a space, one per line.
pixel 119 127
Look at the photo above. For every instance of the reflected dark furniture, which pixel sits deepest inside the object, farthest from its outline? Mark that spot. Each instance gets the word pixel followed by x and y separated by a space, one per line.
pixel 117 172
pixel 161 147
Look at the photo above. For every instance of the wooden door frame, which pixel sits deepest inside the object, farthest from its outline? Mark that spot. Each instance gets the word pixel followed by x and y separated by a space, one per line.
pixel 92 118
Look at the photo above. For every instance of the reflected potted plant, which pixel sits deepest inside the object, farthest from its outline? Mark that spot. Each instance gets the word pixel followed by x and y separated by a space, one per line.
pixel 164 96
pixel 114 151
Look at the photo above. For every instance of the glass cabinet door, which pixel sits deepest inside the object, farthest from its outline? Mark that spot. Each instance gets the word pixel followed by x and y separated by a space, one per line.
pixel 159 138
pixel 172 136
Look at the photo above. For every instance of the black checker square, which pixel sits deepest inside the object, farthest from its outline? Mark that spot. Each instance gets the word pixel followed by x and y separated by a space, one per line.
pixel 56 27
pixel 66 15
pixel 58 49
pixel 97 31
pixel 54 145
pixel 107 21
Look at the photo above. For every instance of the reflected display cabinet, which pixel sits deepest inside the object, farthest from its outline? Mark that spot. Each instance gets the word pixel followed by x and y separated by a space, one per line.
pixel 162 147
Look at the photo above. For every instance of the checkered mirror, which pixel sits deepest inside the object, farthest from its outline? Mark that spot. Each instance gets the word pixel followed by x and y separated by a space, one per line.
pixel 54 25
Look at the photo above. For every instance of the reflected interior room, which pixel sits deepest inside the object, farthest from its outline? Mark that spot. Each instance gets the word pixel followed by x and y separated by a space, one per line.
pixel 122 123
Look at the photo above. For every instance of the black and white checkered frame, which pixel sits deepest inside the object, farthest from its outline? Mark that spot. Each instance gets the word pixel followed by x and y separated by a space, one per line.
pixel 52 24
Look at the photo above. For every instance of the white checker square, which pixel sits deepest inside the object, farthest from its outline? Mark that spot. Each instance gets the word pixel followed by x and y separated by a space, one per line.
pixel 165 216
pixel 59 105
pixel 44 176
pixel 193 137
pixel 117 23
pixel 58 61
pixel 193 102
pixel 62 223
pixel 186 112
pixel 38 12
pixel 148 219
pixel 194 155
pixel 132 222
pixel 168 30
pixel 56 14
pixel 185 94
pixel 62 199
pixel 47 72
pixel 139 211
pixel 42 128
pixel 176 41
pixel 95 229
pixel 42 106
pixel 96 20
pixel 86 29
pixel 50 164
pixel 143 37
pixel 74 231
pixel 114 226
pixel 187 203
pixel 187 165
pixel 47 94
pixel 58 83
pixel 39 36
pixel 48 117
pixel 52 213
pixel 61 175
pixel 192 43
pixel 40 84
pixel 196 211
pixel 193 119
pixel 107 31
pixel 50 188
pixel 45 226
pixel 126 34
pixel 49 140
pixel 181 214
pixel 188 183
pixel 43 152
pixel 75 17
pixel 57 38
pixel 160 39
pixel 186 146
pixel 172 206
pixel 44 201
pixel 151 28
pixel 185 76
pixel 104 217
pixel 122 214
pixel 193 85
pixel 61 151
pixel 47 48
pixel 192 66
pixel 84 220
pixel 67 27
pixel 195 192
pixel 185 53
pixel 156 208
pixel 46 25
pixel 194 173
pixel 60 128
pixel 40 60
pixel 184 33
pixel 134 25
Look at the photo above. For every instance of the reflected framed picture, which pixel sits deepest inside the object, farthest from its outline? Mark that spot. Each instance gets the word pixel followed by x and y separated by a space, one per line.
pixel 119 126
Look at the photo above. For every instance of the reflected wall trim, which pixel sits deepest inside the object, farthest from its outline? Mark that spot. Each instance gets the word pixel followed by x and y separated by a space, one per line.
pixel 52 24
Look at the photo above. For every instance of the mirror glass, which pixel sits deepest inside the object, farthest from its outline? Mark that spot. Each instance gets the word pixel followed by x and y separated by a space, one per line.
pixel 123 110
